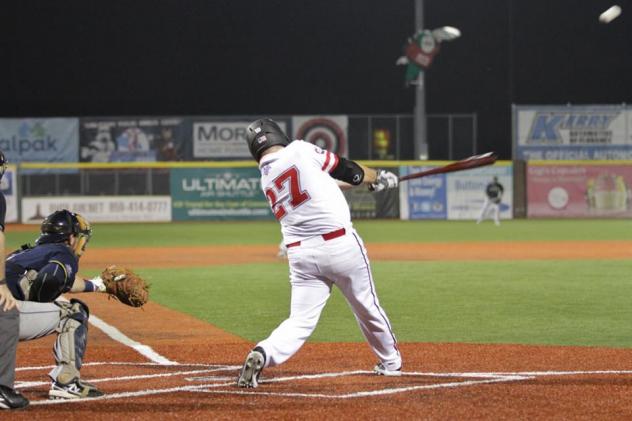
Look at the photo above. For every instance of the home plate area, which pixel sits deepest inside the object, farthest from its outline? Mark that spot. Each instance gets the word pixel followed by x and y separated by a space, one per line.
pixel 125 380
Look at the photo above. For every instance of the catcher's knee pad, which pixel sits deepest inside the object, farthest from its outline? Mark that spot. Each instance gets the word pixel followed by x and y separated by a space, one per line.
pixel 71 340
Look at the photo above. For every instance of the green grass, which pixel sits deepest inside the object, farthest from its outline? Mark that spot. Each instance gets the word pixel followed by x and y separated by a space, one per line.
pixel 530 302
pixel 384 231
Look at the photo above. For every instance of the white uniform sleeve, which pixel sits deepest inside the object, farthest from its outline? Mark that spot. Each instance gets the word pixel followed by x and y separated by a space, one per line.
pixel 327 161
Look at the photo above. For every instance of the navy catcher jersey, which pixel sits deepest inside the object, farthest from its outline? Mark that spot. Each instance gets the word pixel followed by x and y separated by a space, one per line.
pixel 36 258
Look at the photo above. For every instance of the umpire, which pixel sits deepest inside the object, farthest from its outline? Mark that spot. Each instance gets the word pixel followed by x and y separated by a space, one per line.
pixel 9 324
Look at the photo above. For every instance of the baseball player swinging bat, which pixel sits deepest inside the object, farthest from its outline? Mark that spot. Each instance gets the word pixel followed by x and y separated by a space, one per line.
pixel 464 164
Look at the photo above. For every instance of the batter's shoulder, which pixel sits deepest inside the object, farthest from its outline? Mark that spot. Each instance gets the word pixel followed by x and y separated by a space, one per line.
pixel 298 145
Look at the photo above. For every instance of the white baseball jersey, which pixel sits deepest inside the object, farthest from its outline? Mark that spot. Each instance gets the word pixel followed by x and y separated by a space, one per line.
pixel 303 196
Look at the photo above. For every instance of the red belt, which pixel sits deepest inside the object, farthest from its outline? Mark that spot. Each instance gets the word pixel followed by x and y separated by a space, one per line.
pixel 329 236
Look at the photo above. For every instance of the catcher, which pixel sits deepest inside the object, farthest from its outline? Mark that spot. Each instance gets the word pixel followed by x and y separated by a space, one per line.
pixel 38 275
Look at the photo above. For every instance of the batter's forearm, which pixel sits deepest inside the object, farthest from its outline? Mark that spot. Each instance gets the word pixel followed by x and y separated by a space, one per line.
pixel 370 175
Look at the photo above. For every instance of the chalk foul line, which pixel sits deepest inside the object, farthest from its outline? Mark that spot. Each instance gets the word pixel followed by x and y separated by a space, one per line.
pixel 220 385
pixel 120 337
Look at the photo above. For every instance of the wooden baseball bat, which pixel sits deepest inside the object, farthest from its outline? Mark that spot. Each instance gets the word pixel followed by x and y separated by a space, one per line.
pixel 464 164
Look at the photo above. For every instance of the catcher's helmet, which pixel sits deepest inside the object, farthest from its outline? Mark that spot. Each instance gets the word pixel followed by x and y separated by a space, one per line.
pixel 263 134
pixel 60 225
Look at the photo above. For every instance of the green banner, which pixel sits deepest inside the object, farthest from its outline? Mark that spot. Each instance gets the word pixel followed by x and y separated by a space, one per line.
pixel 217 194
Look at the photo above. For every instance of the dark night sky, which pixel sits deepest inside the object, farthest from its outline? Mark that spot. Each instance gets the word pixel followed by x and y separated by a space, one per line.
pixel 297 57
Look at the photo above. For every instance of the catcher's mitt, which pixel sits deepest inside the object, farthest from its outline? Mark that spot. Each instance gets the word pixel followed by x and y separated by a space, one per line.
pixel 126 286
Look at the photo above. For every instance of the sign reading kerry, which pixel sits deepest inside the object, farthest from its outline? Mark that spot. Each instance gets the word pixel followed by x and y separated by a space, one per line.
pixel 217 193
pixel 572 132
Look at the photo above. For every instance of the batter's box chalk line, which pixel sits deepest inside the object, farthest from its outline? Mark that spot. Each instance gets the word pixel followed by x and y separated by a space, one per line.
pixel 224 383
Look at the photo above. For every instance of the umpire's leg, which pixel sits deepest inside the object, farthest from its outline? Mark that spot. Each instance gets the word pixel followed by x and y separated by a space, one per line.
pixel 9 331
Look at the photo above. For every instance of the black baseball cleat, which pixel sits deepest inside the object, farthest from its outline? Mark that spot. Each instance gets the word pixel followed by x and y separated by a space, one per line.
pixel 12 399
pixel 250 372
pixel 75 389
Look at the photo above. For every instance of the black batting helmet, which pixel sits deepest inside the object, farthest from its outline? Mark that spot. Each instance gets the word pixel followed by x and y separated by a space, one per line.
pixel 263 134
pixel 60 225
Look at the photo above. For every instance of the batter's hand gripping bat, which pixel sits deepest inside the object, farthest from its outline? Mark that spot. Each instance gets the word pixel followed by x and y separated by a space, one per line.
pixel 464 164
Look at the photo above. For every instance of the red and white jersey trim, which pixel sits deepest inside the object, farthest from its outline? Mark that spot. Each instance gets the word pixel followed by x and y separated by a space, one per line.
pixel 331 162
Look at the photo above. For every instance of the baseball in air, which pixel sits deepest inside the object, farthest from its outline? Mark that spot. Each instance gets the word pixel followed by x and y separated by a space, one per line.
pixel 610 14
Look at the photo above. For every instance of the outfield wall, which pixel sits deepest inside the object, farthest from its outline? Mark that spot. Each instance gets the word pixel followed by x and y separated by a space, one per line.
pixel 185 191
pixel 458 195
pixel 579 189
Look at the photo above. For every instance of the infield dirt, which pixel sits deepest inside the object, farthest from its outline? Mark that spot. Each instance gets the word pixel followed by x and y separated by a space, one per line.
pixel 506 250
pixel 445 381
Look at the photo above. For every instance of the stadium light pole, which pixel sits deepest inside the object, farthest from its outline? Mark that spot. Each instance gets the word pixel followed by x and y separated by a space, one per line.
pixel 421 144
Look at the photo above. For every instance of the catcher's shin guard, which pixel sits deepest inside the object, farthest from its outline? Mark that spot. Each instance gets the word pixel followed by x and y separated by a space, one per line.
pixel 71 340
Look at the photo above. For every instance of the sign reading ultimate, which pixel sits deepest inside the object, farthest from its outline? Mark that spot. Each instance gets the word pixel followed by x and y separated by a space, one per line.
pixel 222 139
pixel 217 193
pixel 572 132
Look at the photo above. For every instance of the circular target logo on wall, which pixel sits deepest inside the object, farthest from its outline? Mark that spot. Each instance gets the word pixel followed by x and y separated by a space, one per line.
pixel 327 132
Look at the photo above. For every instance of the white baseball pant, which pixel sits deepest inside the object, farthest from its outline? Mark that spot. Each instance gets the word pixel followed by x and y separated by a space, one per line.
pixel 315 266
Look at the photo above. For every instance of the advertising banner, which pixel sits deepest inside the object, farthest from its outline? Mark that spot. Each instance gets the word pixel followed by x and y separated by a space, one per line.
pixel 572 132
pixel 216 139
pixel 125 139
pixel 100 208
pixel 466 191
pixel 217 193
pixel 328 132
pixel 365 204
pixel 9 187
pixel 423 198
pixel 39 139
pixel 579 191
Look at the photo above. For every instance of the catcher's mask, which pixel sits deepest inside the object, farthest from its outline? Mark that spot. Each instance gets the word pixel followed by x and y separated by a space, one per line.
pixel 263 134
pixel 59 226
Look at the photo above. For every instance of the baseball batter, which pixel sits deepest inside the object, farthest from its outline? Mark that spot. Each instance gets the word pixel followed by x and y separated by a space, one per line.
pixel 493 196
pixel 299 181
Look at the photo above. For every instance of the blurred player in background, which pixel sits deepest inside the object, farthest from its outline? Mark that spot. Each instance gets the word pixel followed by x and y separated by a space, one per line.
pixel 9 324
pixel 323 249
pixel 493 196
